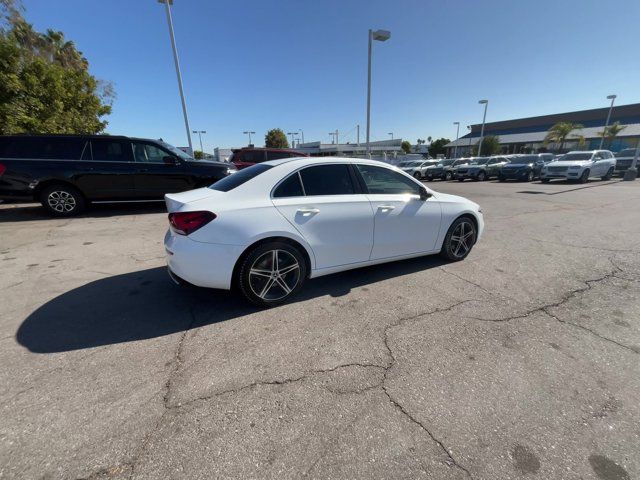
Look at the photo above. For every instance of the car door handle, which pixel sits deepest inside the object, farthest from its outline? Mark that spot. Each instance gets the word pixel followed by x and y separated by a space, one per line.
pixel 386 208
pixel 306 212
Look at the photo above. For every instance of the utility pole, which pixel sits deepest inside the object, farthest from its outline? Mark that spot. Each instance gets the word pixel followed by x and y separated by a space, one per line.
pixel 358 135
pixel 455 151
pixel 606 124
pixel 249 133
pixel 200 132
pixel 167 4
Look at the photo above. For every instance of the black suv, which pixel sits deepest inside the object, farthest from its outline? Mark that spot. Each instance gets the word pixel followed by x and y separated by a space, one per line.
pixel 524 167
pixel 66 172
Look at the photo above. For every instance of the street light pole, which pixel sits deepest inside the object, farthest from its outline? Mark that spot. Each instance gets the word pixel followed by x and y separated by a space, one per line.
pixel 390 133
pixel 381 36
pixel 249 133
pixel 455 149
pixel 606 124
pixel 302 134
pixel 293 143
pixel 167 4
pixel 484 118
pixel 200 132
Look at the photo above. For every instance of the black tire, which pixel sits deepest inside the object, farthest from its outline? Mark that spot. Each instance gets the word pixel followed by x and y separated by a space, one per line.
pixel 429 179
pixel 448 176
pixel 461 179
pixel 584 178
pixel 501 178
pixel 450 247
pixel 417 176
pixel 62 200
pixel 530 176
pixel 482 176
pixel 609 174
pixel 252 284
pixel 545 180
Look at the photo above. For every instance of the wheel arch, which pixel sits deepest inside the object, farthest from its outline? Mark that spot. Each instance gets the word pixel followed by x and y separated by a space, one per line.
pixel 54 181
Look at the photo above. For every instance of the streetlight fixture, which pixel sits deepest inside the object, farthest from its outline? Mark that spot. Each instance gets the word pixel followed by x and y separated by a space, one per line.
pixel 484 118
pixel 380 36
pixel 455 149
pixel 249 133
pixel 200 132
pixel 606 124
pixel 167 4
pixel 390 133
pixel 302 134
pixel 293 134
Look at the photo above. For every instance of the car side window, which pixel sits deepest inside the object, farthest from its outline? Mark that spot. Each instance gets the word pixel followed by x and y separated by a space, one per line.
pixel 148 153
pixel 327 180
pixel 276 155
pixel 257 156
pixel 109 150
pixel 380 180
pixel 291 187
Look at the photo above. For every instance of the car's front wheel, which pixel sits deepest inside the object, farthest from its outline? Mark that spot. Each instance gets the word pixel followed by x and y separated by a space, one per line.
pixel 459 240
pixel 417 176
pixel 482 177
pixel 530 176
pixel 62 200
pixel 584 178
pixel 271 273
pixel 448 176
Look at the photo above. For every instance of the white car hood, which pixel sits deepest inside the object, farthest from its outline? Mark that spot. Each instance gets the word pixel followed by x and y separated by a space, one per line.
pixel 580 163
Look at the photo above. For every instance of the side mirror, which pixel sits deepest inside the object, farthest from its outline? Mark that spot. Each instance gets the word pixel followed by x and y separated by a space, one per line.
pixel 424 194
pixel 171 160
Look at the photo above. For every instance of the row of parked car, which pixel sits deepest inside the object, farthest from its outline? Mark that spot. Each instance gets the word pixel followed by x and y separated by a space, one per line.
pixel 576 165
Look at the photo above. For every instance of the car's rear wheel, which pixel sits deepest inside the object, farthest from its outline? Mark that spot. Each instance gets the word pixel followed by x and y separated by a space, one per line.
pixel 584 178
pixel 545 180
pixel 459 240
pixel 62 200
pixel 609 174
pixel 482 176
pixel 461 179
pixel 417 175
pixel 530 176
pixel 271 273
pixel 448 176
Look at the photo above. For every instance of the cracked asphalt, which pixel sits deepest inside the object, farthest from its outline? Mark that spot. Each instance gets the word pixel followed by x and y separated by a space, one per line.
pixel 523 361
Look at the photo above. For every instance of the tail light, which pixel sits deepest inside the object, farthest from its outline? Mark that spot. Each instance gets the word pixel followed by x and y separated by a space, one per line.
pixel 185 223
pixel 3 168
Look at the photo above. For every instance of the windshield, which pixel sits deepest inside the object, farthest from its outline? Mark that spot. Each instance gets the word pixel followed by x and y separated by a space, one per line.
pixel 480 161
pixel 627 152
pixel 445 163
pixel 176 151
pixel 572 157
pixel 237 179
pixel 524 160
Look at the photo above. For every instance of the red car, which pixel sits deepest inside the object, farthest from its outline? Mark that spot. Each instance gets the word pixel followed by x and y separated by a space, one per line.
pixel 245 157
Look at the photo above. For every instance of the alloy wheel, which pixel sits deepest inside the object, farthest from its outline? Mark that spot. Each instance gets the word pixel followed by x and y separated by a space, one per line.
pixel 462 239
pixel 61 201
pixel 274 275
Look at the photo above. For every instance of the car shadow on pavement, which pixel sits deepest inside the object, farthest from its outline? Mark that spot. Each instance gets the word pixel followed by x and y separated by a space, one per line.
pixel 25 212
pixel 147 304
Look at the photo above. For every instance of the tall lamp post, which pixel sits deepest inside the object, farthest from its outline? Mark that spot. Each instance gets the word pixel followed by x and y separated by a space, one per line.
pixel 380 36
pixel 484 118
pixel 249 133
pixel 200 132
pixel 293 134
pixel 302 135
pixel 606 124
pixel 455 148
pixel 167 4
pixel 390 133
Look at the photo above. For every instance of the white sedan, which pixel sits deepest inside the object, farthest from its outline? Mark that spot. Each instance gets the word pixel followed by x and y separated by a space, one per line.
pixel 269 227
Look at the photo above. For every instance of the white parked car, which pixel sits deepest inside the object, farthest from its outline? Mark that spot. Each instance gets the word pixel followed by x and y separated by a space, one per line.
pixel 416 168
pixel 269 227
pixel 580 165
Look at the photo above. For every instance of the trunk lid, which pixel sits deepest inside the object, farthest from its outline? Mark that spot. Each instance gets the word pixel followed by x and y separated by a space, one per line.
pixel 175 201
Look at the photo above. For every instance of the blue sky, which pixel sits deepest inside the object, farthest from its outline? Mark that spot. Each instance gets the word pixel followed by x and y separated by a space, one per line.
pixel 258 64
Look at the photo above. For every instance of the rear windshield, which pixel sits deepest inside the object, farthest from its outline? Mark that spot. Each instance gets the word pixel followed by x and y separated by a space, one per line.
pixel 627 152
pixel 236 179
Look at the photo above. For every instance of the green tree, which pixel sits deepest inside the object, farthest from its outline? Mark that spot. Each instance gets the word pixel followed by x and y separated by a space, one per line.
pixel 275 138
pixel 437 147
pixel 198 154
pixel 490 146
pixel 45 85
pixel 612 131
pixel 406 146
pixel 559 133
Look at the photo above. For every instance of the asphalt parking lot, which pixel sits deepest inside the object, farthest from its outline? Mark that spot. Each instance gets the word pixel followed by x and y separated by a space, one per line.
pixel 520 362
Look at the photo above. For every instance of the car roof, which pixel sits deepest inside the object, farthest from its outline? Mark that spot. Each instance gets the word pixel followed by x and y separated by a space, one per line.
pixel 324 160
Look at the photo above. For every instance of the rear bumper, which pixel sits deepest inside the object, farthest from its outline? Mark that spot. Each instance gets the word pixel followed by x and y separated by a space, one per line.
pixel 202 264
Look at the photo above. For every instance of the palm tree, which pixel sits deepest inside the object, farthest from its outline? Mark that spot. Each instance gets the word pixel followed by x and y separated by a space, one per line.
pixel 560 132
pixel 612 131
